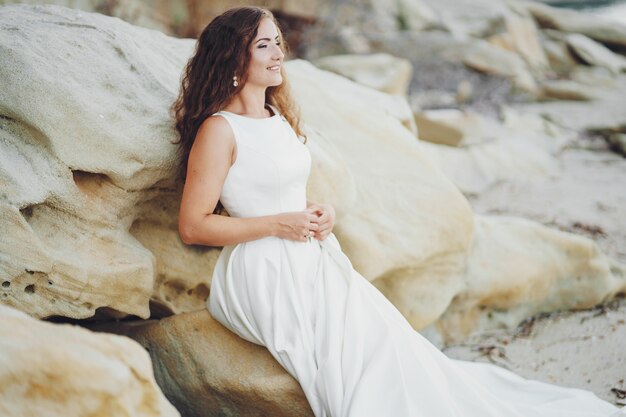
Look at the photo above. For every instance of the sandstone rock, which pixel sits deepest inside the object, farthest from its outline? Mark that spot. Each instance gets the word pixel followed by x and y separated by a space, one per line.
pixel 569 90
pixel 595 53
pixel 454 127
pixel 207 370
pixel 490 59
pixel 559 56
pixel 510 155
pixel 58 370
pixel 70 205
pixel 522 37
pixel 566 20
pixel 550 271
pixel 471 18
pixel 382 72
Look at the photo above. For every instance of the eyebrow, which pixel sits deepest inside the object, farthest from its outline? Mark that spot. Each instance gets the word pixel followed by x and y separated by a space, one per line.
pixel 265 39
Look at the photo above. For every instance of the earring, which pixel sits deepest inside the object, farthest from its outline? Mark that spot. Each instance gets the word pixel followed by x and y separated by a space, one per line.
pixel 235 83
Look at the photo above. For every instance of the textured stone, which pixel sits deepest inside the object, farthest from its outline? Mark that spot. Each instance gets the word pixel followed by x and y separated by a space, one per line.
pixel 207 370
pixel 382 72
pixel 56 370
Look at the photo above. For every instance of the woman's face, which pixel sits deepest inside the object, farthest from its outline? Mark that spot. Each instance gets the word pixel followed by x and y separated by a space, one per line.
pixel 266 56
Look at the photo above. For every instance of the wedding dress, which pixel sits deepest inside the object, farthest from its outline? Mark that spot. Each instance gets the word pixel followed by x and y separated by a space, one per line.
pixel 351 350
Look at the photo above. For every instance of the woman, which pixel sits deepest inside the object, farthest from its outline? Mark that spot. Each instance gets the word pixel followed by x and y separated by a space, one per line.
pixel 282 280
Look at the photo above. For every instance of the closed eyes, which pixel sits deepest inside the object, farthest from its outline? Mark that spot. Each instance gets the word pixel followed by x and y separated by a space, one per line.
pixel 265 46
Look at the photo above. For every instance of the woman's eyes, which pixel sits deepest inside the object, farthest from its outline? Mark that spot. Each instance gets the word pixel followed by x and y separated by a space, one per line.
pixel 265 46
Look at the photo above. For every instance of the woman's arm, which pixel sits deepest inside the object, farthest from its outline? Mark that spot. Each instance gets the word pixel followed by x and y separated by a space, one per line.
pixel 210 159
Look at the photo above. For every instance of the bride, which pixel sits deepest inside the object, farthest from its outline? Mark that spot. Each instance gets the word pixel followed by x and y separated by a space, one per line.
pixel 282 280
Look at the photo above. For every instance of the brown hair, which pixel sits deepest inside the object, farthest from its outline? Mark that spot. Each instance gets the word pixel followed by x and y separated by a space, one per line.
pixel 222 51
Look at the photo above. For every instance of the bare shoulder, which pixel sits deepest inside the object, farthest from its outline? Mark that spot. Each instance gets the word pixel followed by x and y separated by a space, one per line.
pixel 215 130
pixel 215 137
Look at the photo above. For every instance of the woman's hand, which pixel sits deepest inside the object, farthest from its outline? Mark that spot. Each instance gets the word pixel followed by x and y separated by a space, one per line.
pixel 325 219
pixel 297 225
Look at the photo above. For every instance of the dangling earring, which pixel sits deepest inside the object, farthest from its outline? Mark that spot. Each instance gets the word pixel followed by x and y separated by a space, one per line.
pixel 235 83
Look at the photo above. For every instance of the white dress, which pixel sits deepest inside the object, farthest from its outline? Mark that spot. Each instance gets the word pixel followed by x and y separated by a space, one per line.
pixel 351 350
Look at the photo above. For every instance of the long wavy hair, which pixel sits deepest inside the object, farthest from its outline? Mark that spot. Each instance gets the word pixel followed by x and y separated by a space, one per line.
pixel 223 51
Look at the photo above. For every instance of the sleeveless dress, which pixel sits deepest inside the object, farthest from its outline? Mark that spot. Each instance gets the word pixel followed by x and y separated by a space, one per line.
pixel 351 350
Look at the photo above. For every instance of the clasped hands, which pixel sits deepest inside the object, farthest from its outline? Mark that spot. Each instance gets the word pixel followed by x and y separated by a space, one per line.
pixel 317 221
pixel 325 219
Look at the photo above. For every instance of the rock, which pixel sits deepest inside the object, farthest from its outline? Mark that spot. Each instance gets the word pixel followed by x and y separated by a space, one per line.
pixel 453 127
pixel 618 142
pixel 484 57
pixel 56 370
pixel 69 205
pixel 413 15
pixel 464 91
pixel 569 90
pixel 352 27
pixel 539 275
pixel 207 370
pixel 471 18
pixel 381 71
pixel 559 56
pixel 509 155
pixel 594 53
pixel 596 27
pixel 607 113
pixel 522 37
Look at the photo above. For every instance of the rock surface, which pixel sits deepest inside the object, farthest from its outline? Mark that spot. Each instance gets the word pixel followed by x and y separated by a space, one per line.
pixel 87 166
pixel 56 370
pixel 382 72
pixel 206 370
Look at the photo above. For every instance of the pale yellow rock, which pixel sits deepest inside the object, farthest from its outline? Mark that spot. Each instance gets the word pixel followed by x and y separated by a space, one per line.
pixel 523 146
pixel 490 59
pixel 88 203
pixel 56 370
pixel 525 40
pixel 207 370
pixel 518 268
pixel 595 53
pixel 559 56
pixel 380 71
pixel 454 127
pixel 569 90
pixel 596 27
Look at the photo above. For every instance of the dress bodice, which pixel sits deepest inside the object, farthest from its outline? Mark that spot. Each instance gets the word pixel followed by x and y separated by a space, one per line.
pixel 271 168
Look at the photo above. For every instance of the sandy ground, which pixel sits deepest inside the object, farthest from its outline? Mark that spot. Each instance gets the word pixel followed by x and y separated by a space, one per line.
pixel 583 349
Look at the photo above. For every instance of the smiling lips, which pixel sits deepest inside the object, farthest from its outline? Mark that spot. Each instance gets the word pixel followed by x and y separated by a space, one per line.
pixel 274 68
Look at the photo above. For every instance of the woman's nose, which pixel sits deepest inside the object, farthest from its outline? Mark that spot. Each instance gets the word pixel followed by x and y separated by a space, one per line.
pixel 278 53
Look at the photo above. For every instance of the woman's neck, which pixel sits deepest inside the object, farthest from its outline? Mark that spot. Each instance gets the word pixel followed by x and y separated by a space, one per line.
pixel 249 103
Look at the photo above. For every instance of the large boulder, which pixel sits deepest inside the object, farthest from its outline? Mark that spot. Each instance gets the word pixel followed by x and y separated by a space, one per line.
pixel 207 370
pixel 60 370
pixel 89 196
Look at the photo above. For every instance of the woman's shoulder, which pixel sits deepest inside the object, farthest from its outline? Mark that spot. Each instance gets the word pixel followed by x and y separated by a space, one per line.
pixel 215 128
